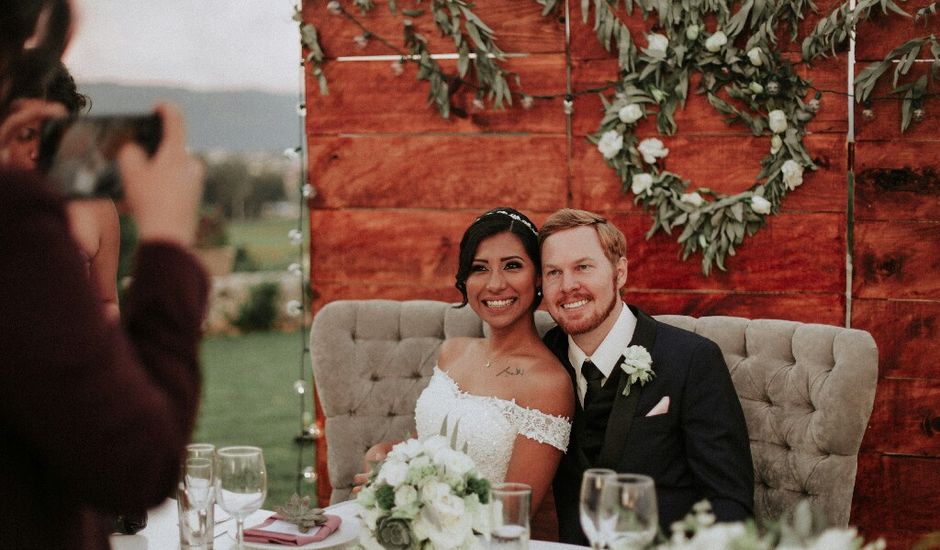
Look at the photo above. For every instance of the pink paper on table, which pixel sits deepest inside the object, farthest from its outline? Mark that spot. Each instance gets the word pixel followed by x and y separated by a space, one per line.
pixel 276 531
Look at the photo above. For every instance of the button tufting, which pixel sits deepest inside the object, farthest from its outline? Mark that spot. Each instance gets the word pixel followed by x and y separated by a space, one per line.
pixel 416 375
pixel 374 377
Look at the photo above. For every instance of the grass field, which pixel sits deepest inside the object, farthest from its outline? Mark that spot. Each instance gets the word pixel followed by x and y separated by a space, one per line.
pixel 266 242
pixel 249 399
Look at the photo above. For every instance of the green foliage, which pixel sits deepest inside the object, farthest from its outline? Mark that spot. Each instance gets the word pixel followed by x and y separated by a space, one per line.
pixel 259 311
pixel 244 262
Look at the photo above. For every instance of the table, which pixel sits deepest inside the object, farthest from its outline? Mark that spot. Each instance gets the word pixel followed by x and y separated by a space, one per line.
pixel 162 532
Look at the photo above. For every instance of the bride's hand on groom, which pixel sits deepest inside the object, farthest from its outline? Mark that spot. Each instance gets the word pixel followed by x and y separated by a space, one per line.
pixel 374 455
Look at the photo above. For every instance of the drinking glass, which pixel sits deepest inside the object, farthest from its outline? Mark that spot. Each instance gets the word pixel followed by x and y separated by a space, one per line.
pixel 510 516
pixel 195 500
pixel 242 484
pixel 591 485
pixel 629 516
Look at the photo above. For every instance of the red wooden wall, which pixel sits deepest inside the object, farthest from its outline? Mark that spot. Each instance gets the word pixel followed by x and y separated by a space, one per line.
pixel 396 185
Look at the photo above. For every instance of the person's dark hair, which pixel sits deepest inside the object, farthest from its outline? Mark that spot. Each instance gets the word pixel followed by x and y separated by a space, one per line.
pixel 493 222
pixel 39 76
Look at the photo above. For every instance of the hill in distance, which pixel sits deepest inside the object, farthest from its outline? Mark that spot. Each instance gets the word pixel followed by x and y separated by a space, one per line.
pixel 235 121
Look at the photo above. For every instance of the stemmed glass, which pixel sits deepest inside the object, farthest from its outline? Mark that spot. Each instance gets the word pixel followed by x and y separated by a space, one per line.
pixel 629 516
pixel 591 485
pixel 242 484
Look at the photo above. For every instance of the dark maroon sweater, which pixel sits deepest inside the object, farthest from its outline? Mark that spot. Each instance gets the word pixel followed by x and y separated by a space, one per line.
pixel 93 415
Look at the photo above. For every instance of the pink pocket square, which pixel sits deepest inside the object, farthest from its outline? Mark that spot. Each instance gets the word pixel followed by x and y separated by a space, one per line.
pixel 661 408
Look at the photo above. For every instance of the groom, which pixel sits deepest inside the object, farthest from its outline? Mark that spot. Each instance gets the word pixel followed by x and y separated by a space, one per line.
pixel 683 427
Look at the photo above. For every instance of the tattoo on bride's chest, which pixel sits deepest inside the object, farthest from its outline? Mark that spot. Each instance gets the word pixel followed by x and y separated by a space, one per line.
pixel 511 371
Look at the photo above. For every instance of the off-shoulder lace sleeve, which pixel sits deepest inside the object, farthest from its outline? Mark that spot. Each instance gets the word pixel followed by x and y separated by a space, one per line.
pixel 541 427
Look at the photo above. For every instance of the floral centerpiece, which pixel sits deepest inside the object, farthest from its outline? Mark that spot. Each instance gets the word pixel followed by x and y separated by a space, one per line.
pixel 803 531
pixel 424 495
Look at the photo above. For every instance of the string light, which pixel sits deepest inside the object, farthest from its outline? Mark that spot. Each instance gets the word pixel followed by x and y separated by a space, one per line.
pixel 307 191
pixel 295 236
pixel 300 387
pixel 294 308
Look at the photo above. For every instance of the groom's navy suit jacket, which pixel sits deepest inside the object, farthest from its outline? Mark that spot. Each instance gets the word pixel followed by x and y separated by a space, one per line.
pixel 698 449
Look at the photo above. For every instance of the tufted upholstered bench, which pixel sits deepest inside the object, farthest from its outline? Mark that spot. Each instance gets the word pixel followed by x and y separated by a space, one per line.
pixel 807 391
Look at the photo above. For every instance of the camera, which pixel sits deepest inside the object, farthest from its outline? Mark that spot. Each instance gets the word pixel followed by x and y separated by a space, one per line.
pixel 78 154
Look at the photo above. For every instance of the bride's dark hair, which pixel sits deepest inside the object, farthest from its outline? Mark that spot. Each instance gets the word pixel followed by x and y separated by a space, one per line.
pixel 493 222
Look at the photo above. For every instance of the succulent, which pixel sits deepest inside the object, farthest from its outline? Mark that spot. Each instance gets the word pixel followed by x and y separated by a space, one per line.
pixel 298 511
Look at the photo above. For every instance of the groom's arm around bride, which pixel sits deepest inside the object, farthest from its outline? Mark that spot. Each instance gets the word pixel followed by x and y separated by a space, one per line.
pixel 683 426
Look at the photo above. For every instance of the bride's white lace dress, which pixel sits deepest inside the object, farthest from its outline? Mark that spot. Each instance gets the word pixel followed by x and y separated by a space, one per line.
pixel 488 425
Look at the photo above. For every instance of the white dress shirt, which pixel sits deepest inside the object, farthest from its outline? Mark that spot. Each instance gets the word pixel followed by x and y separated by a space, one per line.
pixel 607 354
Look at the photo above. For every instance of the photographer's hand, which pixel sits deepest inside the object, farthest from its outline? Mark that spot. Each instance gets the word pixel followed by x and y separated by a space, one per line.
pixel 163 192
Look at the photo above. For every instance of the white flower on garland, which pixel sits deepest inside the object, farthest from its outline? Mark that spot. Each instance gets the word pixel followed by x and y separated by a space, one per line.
pixel 691 32
pixel 778 121
pixel 754 55
pixel 630 113
pixel 637 365
pixel 610 144
pixel 692 198
pixel 756 87
pixel 424 494
pixel 650 148
pixel 792 174
pixel 657 44
pixel 716 41
pixel 776 143
pixel 641 183
pixel 760 205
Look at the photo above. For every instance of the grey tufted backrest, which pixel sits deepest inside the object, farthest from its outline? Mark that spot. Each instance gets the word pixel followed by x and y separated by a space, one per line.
pixel 807 390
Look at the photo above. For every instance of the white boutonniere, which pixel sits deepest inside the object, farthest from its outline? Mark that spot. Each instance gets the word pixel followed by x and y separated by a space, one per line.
pixel 638 365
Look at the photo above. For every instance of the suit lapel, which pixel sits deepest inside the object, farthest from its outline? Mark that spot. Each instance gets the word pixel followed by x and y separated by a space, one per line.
pixel 624 408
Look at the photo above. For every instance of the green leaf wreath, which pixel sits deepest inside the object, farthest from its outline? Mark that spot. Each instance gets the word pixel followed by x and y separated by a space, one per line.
pixel 742 75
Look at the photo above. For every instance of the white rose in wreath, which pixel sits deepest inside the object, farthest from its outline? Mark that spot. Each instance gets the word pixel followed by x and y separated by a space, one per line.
pixel 775 144
pixel 692 198
pixel 657 45
pixel 641 183
pixel 760 205
pixel 716 41
pixel 630 113
pixel 610 144
pixel 754 56
pixel 651 149
pixel 778 121
pixel 637 365
pixel 792 174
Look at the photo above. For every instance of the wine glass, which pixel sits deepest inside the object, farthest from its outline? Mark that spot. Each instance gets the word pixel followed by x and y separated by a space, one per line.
pixel 629 516
pixel 242 484
pixel 591 485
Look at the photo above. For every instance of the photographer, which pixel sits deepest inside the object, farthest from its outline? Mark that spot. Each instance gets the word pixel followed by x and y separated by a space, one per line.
pixel 94 414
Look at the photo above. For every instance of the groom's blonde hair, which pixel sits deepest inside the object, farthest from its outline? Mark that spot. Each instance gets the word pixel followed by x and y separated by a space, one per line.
pixel 612 240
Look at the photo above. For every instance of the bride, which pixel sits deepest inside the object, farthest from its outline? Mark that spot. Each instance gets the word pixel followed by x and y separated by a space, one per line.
pixel 506 395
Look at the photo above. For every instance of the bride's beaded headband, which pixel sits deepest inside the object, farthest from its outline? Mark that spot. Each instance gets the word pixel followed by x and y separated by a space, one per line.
pixel 512 215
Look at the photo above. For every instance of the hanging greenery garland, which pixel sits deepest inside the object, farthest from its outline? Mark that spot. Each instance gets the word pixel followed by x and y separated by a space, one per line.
pixel 742 75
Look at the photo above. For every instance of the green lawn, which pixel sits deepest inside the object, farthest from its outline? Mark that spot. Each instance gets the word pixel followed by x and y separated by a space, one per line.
pixel 266 242
pixel 249 399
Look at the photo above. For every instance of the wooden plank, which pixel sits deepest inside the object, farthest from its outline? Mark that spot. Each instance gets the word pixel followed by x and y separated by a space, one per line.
pixel 886 107
pixel 804 307
pixel 897 193
pixel 895 154
pixel 913 497
pixel 907 334
pixel 518 27
pixel 455 171
pixel 897 260
pixel 897 424
pixel 727 164
pixel 367 97
pixel 882 33
pixel 766 263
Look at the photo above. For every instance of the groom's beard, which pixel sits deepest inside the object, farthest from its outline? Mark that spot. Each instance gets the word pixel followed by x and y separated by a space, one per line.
pixel 575 327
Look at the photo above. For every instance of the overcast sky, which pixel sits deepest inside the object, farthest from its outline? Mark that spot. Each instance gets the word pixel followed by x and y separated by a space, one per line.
pixel 198 44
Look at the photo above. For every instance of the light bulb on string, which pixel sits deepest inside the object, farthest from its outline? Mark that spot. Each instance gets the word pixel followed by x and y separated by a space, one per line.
pixel 292 153
pixel 294 308
pixel 334 7
pixel 398 68
pixel 313 431
pixel 307 191
pixel 310 475
pixel 301 109
pixel 295 236
pixel 295 269
pixel 300 387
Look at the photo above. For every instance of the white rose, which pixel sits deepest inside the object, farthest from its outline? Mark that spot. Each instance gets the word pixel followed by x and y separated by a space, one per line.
pixel 406 450
pixel 756 87
pixel 834 539
pixel 405 496
pixel 754 54
pixel 691 32
pixel 455 463
pixel 775 144
pixel 651 149
pixel 610 144
pixel 445 512
pixel 630 113
pixel 692 198
pixel 778 121
pixel 366 497
pixel 370 517
pixel 792 174
pixel 657 45
pixel 433 443
pixel 716 41
pixel 393 472
pixel 760 205
pixel 641 183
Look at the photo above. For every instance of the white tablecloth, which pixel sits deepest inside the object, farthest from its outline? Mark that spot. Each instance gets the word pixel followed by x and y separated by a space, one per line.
pixel 162 532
